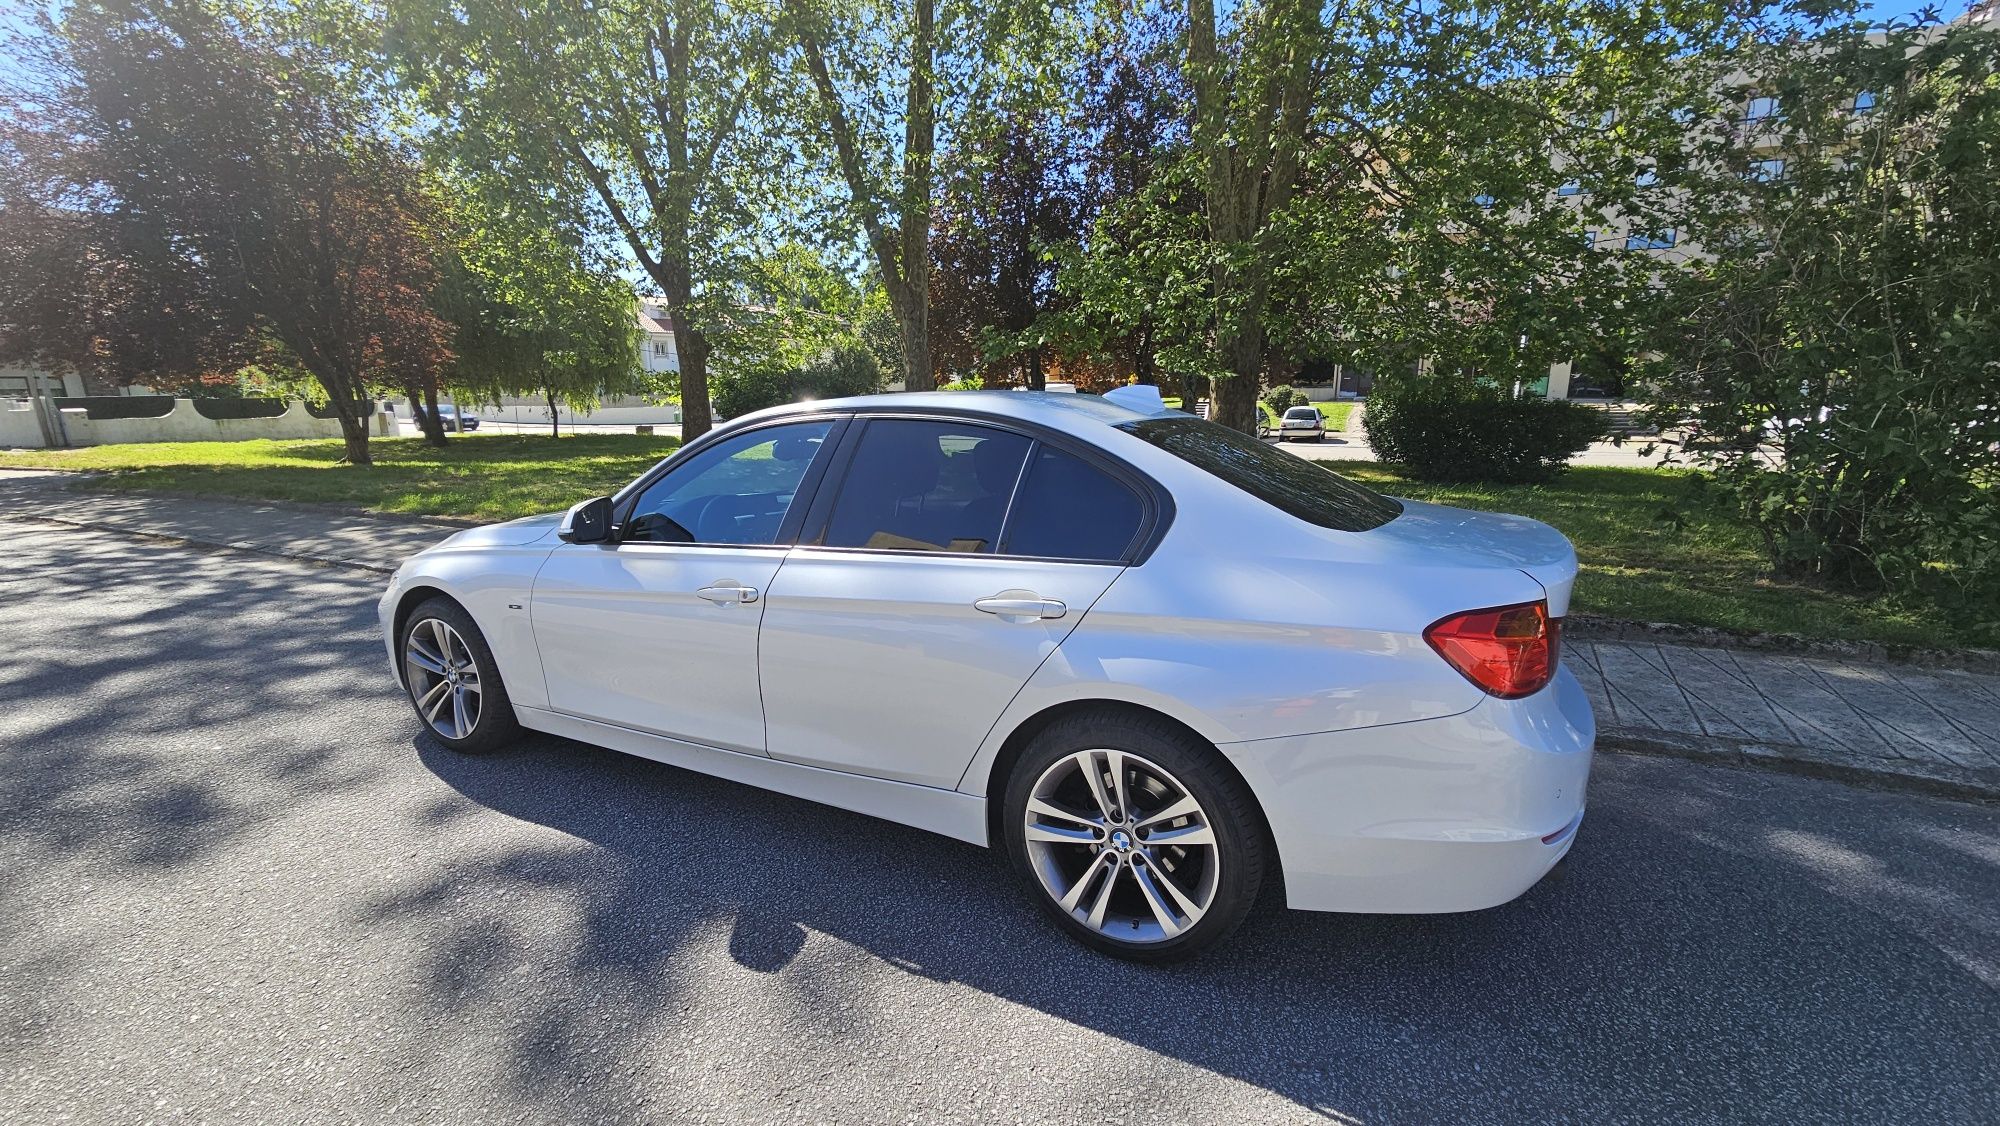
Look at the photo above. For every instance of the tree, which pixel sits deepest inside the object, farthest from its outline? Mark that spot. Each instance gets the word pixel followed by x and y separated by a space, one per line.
pixel 894 211
pixel 1249 131
pixel 994 236
pixel 213 146
pixel 646 119
pixel 1832 358
pixel 533 314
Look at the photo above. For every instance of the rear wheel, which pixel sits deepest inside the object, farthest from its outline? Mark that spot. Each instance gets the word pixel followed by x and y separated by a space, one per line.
pixel 1133 837
pixel 453 681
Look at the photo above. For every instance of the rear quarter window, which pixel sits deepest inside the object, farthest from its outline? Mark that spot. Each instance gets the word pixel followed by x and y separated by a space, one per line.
pixel 1284 481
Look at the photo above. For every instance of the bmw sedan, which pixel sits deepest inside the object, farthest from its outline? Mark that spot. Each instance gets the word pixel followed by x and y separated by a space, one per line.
pixel 1157 662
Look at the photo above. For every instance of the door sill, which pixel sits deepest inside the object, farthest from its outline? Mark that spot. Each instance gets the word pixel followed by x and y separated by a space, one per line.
pixel 947 812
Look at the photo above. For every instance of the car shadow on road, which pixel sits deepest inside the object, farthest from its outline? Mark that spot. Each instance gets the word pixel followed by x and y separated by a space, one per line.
pixel 1704 953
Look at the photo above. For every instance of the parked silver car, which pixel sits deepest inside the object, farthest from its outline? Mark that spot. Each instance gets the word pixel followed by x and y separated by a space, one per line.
pixel 1302 422
pixel 1157 661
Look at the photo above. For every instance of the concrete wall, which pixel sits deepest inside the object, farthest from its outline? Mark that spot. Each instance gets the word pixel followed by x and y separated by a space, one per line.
pixel 625 411
pixel 182 424
pixel 18 429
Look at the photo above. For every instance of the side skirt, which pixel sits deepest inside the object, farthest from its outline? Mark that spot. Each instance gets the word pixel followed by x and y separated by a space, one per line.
pixel 961 816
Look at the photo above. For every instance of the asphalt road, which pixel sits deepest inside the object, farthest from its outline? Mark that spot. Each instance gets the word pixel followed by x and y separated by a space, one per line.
pixel 236 885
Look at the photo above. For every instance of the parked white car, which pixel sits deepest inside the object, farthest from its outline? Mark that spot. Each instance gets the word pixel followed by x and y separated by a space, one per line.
pixel 1302 422
pixel 1156 660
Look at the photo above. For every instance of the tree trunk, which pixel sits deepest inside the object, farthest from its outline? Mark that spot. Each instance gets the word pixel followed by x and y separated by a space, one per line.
pixel 555 419
pixel 434 427
pixel 1038 380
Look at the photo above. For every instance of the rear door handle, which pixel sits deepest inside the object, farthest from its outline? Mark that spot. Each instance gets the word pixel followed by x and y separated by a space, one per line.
pixel 727 592
pixel 1021 604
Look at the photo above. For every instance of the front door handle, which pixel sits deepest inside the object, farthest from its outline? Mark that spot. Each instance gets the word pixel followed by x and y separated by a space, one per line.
pixel 727 591
pixel 1021 604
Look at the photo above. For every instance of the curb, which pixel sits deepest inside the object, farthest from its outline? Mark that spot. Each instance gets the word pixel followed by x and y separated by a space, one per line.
pixel 1591 627
pixel 1958 783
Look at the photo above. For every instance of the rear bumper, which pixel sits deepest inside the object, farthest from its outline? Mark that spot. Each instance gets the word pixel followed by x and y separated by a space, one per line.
pixel 1453 814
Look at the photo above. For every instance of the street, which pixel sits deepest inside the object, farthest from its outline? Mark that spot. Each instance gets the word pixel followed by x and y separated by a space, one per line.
pixel 240 886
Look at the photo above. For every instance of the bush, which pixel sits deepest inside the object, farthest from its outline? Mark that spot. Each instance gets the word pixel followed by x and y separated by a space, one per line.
pixel 118 406
pixel 849 369
pixel 239 408
pixel 1445 428
pixel 1283 397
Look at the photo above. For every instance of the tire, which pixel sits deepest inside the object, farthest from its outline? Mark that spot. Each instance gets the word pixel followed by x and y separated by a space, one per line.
pixel 471 678
pixel 1213 871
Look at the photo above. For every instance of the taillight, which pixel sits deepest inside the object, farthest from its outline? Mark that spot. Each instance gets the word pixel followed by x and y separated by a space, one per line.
pixel 1508 651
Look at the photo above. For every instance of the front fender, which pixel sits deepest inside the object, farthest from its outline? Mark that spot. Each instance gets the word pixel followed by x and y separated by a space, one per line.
pixel 493 584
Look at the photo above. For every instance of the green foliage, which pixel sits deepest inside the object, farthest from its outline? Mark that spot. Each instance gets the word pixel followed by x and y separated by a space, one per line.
pixel 972 383
pixel 1283 397
pixel 1835 364
pixel 535 314
pixel 1449 428
pixel 848 369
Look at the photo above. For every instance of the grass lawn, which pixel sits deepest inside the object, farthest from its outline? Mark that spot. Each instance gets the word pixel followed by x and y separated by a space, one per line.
pixel 1652 548
pixel 1655 549
pixel 1335 415
pixel 476 476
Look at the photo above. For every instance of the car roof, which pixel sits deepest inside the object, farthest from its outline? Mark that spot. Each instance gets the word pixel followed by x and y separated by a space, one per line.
pixel 1069 412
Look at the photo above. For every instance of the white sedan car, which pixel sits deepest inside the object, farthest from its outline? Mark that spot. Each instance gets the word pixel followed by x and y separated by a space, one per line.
pixel 1159 662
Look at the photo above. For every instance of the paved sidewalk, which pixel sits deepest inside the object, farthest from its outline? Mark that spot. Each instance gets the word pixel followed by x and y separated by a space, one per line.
pixel 1937 729
pixel 295 531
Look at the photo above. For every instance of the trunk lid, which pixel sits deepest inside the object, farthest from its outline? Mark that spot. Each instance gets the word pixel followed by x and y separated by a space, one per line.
pixel 1432 533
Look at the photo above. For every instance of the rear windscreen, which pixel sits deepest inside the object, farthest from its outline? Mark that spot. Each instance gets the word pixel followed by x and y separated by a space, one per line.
pixel 1282 480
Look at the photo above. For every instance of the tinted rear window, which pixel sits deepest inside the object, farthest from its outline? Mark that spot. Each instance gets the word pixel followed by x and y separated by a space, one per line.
pixel 1284 481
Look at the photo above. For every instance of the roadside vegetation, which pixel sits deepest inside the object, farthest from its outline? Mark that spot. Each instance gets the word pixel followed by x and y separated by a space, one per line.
pixel 475 477
pixel 1656 545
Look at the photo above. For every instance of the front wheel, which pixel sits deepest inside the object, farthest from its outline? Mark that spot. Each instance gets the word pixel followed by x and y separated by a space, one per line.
pixel 453 681
pixel 1135 839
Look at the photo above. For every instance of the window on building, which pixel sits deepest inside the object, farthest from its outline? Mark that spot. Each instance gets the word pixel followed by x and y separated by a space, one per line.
pixel 1647 177
pixel 1660 241
pixel 1570 188
pixel 1863 102
pixel 1762 108
pixel 660 348
pixel 1590 238
pixel 1765 171
pixel 1484 201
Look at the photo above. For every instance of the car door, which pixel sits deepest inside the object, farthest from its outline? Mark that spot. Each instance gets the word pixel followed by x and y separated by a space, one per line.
pixel 949 562
pixel 657 630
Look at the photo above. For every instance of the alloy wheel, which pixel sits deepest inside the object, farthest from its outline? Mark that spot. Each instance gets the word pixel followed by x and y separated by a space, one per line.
pixel 443 678
pixel 1122 845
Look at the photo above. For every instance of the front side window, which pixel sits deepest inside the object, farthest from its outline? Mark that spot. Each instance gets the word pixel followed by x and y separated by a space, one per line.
pixel 927 486
pixel 1290 484
pixel 736 491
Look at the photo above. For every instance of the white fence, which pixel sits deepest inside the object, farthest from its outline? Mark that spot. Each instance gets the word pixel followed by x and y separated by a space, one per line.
pixel 19 428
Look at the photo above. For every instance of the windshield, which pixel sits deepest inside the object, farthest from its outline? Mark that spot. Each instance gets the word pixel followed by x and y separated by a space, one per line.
pixel 1284 481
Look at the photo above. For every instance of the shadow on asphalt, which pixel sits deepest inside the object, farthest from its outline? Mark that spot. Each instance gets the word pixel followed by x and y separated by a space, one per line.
pixel 1720 945
pixel 1698 951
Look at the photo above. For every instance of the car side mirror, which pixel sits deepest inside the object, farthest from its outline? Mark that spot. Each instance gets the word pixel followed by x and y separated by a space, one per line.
pixel 589 522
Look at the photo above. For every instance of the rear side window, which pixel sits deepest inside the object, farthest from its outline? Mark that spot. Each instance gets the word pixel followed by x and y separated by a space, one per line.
pixel 1288 483
pixel 927 486
pixel 1070 509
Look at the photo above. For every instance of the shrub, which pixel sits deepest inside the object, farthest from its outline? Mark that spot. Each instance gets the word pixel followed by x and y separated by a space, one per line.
pixel 848 369
pixel 1284 397
pixel 239 408
pixel 1446 428
pixel 118 406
